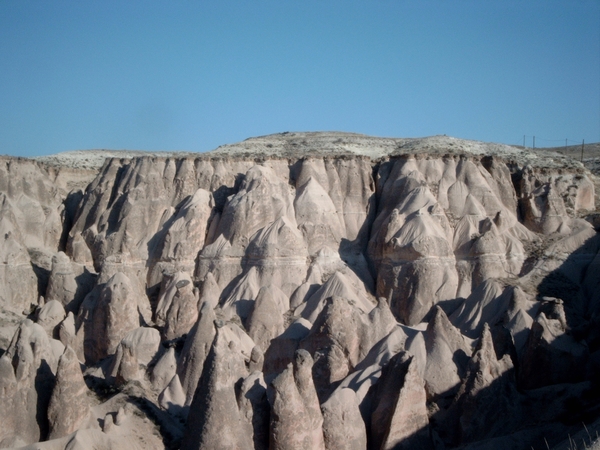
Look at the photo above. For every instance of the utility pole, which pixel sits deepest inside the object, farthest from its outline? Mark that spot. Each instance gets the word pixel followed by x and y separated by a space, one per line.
pixel 582 144
pixel 534 142
pixel 523 141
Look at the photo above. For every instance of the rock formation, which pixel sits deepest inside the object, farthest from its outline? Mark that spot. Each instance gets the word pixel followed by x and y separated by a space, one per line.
pixel 69 406
pixel 300 290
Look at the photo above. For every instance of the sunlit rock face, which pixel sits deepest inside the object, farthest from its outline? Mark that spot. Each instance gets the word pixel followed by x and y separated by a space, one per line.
pixel 301 290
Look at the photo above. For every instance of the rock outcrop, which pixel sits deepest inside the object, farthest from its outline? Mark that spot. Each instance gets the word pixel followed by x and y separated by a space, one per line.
pixel 69 406
pixel 301 290
pixel 296 419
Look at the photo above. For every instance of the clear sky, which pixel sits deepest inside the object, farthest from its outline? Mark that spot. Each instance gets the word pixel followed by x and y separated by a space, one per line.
pixel 192 75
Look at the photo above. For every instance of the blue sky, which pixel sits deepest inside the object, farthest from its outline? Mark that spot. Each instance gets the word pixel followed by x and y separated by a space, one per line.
pixel 192 75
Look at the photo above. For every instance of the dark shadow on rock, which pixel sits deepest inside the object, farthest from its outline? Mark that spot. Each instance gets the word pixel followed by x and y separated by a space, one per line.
pixel 156 244
pixel 43 277
pixel 560 284
pixel 171 428
pixel 44 385
pixel 221 194
pixel 71 208
pixel 261 413
pixel 85 283
pixel 353 253
pixel 114 217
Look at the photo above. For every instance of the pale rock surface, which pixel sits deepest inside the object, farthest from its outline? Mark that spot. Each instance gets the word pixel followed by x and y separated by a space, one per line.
pixel 210 291
pixel 115 314
pixel 276 256
pixel 195 351
pixel 343 186
pixel 255 410
pixel 338 340
pixel 69 406
pixel 66 330
pixel 399 419
pixel 488 303
pixel 50 316
pixel 164 370
pixel 317 216
pixel 547 197
pixel 62 284
pixel 28 376
pixel 266 321
pixel 215 399
pixel 134 353
pixel 18 289
pixel 282 349
pixel 263 198
pixel 172 398
pixel 177 308
pixel 410 244
pixel 184 236
pixel 338 285
pixel 296 419
pixel 343 426
pixel 447 356
pixel 368 371
pixel 31 202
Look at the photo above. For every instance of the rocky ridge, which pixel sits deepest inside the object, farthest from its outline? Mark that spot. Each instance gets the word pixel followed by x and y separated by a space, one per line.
pixel 300 290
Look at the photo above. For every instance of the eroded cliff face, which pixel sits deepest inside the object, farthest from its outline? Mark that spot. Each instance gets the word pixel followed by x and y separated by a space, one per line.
pixel 427 298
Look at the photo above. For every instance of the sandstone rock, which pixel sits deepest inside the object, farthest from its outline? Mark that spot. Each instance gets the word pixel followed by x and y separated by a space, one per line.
pixel 399 419
pixel 257 360
pixel 295 245
pixel 282 349
pixel 19 284
pixel 172 398
pixel 215 399
pixel 447 356
pixel 116 314
pixel 545 198
pixel 488 394
pixel 195 351
pixel 276 256
pixel 410 245
pixel 368 371
pixel 551 355
pixel 339 285
pixel 317 216
pixel 164 370
pixel 339 339
pixel 210 291
pixel 50 316
pixel 66 330
pixel 266 320
pixel 263 198
pixel 177 308
pixel 31 202
pixel 348 184
pixel 296 419
pixel 254 409
pixel 343 426
pixel 27 391
pixel 185 234
pixel 136 349
pixel 69 407
pixel 67 285
pixel 488 303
